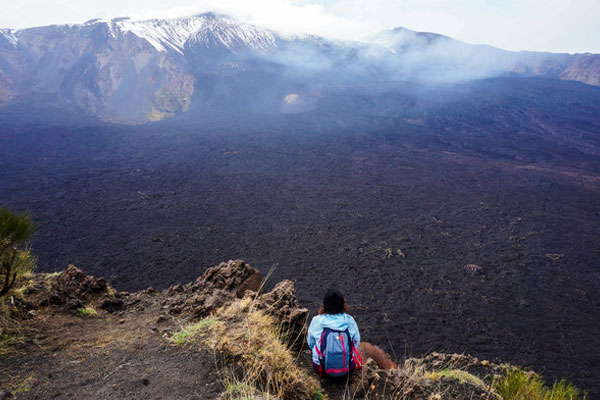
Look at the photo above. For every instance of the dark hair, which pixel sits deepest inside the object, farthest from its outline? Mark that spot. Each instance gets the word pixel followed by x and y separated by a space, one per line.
pixel 333 303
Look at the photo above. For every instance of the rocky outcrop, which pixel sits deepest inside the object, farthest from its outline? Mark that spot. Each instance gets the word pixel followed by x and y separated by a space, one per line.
pixel 68 291
pixel 217 286
pixel 282 303
pixel 583 68
pixel 234 280
pixel 74 289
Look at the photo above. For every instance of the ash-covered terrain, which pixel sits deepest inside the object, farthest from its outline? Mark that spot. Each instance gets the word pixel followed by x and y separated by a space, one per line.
pixel 473 229
pixel 459 214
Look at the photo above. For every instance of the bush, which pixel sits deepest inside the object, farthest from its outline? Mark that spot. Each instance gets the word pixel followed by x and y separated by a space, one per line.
pixel 16 259
pixel 520 385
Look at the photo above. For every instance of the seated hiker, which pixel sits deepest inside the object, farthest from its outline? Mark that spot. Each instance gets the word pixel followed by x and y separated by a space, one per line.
pixel 334 339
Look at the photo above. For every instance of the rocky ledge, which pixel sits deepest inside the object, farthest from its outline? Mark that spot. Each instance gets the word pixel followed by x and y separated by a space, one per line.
pixel 51 313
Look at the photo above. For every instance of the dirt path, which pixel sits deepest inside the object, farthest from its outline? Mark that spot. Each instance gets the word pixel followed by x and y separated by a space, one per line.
pixel 110 356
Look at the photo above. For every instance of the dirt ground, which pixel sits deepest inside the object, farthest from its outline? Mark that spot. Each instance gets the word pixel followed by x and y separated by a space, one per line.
pixel 108 357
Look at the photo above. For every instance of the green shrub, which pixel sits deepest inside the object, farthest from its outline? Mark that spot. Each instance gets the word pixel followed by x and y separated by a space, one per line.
pixel 87 312
pixel 520 385
pixel 16 259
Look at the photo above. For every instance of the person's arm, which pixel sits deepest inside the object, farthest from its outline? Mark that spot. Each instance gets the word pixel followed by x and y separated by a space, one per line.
pixel 353 330
pixel 310 339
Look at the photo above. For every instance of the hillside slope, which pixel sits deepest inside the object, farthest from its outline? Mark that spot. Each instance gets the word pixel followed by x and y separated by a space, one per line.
pixel 69 335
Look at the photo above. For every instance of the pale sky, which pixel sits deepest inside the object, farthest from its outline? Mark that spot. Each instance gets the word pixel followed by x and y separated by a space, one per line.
pixel 544 25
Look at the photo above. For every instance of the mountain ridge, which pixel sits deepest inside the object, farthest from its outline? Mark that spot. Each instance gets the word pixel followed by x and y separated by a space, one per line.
pixel 134 72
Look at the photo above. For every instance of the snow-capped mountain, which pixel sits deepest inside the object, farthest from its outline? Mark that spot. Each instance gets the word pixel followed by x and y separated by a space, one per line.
pixel 137 71
pixel 124 70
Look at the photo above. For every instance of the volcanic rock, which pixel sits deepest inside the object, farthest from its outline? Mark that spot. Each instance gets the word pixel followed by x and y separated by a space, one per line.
pixel 282 303
pixel 217 286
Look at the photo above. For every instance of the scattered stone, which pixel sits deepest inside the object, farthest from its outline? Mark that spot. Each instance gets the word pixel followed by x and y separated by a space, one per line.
pixel 5 394
pixel 474 268
pixel 151 291
pixel 74 304
pixel 112 305
pixel 555 256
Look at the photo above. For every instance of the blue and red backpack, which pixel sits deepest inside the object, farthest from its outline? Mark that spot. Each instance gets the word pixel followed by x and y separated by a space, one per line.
pixel 337 354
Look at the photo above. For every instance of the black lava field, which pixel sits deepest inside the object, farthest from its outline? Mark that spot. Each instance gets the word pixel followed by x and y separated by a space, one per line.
pixel 471 225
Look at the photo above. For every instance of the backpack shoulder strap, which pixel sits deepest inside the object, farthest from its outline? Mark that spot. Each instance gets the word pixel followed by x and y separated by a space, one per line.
pixel 321 344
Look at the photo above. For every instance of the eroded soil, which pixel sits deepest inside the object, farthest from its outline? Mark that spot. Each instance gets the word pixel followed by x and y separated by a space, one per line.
pixel 123 356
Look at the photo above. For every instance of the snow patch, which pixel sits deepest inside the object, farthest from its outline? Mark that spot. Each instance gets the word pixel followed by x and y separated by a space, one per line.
pixel 233 35
pixel 9 35
pixel 163 35
pixel 171 34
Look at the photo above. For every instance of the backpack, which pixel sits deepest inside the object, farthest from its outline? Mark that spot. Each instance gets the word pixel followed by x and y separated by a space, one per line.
pixel 336 352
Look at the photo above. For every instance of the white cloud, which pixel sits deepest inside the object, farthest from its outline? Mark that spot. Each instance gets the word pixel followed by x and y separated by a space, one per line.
pixel 548 25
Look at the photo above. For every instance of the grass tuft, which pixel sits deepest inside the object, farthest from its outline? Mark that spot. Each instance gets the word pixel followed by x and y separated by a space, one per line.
pixel 87 311
pixel 458 374
pixel 190 333
pixel 9 340
pixel 518 384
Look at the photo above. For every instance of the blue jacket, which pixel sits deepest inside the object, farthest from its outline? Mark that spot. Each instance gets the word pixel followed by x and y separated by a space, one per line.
pixel 339 322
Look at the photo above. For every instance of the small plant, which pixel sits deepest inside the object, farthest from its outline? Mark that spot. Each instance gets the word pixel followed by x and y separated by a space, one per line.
pixel 8 340
pixel 240 390
pixel 520 385
pixel 318 394
pixel 191 332
pixel 16 259
pixel 458 374
pixel 87 311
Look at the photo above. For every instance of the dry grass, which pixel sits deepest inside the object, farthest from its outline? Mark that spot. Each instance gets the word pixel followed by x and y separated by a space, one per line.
pixel 458 374
pixel 259 363
pixel 253 340
pixel 408 380
pixel 11 334
pixel 393 384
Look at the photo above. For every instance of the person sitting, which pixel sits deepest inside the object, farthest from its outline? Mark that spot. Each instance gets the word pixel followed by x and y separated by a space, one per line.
pixel 334 340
